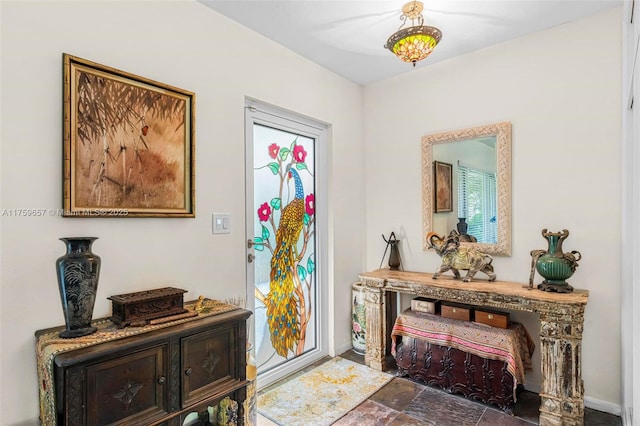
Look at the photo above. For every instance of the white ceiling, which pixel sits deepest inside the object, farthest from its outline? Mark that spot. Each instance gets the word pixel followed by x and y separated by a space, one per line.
pixel 348 36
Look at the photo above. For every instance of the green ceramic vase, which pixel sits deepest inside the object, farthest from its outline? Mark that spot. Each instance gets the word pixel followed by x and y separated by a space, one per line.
pixel 554 265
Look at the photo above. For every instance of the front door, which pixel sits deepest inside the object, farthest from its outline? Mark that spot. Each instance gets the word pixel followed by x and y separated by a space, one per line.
pixel 284 229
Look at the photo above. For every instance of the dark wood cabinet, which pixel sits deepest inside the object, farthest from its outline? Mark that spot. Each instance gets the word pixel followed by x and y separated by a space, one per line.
pixel 158 377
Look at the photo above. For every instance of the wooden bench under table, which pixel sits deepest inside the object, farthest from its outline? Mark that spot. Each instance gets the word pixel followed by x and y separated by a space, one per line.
pixel 481 362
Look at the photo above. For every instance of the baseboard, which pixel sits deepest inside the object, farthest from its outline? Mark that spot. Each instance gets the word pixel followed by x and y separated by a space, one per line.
pixel 627 418
pixel 607 407
pixel 589 402
pixel 343 348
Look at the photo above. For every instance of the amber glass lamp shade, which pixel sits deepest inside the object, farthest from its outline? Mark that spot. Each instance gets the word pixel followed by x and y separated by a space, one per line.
pixel 414 44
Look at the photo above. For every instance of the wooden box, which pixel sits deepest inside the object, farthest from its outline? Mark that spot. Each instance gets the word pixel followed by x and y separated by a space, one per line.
pixel 138 308
pixel 492 318
pixel 422 304
pixel 456 311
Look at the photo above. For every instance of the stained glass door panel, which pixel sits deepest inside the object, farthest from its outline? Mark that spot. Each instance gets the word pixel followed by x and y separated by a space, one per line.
pixel 284 244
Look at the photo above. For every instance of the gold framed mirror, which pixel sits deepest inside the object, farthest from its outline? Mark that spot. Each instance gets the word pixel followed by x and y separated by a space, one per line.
pixel 479 188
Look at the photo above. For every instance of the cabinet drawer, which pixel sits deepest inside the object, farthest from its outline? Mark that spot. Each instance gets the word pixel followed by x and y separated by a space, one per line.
pixel 127 389
pixel 208 364
pixel 492 318
pixel 456 311
pixel 422 304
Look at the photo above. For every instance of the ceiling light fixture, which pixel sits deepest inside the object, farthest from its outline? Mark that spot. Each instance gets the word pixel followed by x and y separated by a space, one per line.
pixel 415 43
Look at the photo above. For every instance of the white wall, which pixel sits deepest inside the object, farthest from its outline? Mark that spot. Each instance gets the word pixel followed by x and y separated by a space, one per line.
pixel 187 45
pixel 561 90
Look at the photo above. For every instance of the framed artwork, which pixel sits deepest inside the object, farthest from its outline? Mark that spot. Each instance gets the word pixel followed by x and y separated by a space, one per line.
pixel 443 187
pixel 129 144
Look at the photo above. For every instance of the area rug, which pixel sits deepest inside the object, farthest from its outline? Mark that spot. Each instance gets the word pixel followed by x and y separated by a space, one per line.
pixel 322 395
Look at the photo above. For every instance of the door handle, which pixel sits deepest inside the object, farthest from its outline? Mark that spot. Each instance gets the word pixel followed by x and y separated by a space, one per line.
pixel 251 243
pixel 250 258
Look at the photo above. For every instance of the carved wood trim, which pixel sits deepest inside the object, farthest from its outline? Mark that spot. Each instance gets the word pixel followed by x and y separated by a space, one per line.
pixel 174 376
pixel 127 392
pixel 211 359
pixel 75 392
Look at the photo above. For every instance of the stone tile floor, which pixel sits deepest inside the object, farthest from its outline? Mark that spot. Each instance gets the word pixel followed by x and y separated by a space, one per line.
pixel 403 402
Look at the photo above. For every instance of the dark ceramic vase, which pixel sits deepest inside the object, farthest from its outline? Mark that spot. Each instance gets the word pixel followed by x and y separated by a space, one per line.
pixel 462 225
pixel 394 256
pixel 78 272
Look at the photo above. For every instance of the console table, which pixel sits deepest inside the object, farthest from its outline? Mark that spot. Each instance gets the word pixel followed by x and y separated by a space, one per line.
pixel 561 322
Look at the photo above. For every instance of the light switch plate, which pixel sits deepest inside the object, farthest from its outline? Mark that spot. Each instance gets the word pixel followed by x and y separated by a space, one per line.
pixel 221 223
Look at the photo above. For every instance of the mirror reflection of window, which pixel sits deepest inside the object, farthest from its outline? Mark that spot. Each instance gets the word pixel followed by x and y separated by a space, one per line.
pixel 477 154
pixel 477 203
pixel 483 149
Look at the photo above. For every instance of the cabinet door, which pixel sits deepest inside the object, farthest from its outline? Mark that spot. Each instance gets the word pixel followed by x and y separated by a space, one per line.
pixel 129 388
pixel 208 364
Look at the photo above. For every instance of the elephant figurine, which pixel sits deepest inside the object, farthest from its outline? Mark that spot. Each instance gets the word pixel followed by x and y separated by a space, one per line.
pixel 456 257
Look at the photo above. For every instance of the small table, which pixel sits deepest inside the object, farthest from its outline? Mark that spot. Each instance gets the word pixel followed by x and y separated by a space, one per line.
pixel 561 323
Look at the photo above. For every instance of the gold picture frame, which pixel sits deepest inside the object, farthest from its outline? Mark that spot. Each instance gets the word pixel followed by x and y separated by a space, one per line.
pixel 129 144
pixel 443 187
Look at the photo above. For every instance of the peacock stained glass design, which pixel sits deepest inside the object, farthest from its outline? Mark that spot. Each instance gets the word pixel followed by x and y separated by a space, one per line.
pixel 285 245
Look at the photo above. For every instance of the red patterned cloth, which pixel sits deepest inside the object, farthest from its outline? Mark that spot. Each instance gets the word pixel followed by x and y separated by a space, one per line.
pixel 512 345
pixel 50 344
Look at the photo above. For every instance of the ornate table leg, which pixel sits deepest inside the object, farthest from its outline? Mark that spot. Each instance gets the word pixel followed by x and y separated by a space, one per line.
pixel 374 303
pixel 562 394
